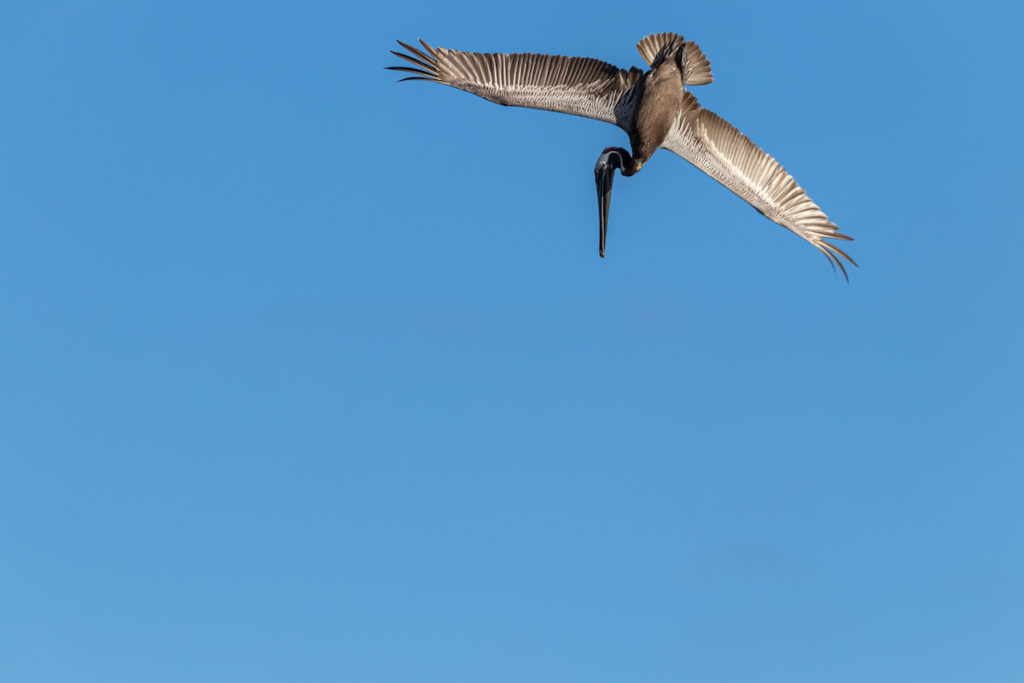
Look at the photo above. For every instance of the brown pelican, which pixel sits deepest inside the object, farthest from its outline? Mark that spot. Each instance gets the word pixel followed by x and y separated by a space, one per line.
pixel 653 107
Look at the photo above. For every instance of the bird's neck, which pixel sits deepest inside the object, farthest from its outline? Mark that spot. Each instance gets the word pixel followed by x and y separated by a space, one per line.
pixel 629 164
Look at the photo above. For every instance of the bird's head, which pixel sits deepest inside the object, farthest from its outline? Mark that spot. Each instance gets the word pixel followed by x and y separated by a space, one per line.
pixel 604 174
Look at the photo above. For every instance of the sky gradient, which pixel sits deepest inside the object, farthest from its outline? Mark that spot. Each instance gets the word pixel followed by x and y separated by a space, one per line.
pixel 314 376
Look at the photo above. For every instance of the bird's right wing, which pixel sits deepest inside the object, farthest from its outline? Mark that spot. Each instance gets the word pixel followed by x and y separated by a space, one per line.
pixel 714 146
pixel 572 85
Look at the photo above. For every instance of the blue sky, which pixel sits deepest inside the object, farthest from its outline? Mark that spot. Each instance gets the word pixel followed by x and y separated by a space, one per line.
pixel 310 375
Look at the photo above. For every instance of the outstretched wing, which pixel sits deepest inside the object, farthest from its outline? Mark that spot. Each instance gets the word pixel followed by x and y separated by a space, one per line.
pixel 572 85
pixel 714 146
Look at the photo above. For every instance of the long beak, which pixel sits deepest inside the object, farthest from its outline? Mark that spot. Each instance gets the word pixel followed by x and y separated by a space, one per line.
pixel 604 174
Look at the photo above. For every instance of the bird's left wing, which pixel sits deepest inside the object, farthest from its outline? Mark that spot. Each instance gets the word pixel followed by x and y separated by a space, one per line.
pixel 572 85
pixel 713 145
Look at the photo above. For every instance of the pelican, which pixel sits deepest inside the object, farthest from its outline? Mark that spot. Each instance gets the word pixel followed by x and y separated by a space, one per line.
pixel 653 107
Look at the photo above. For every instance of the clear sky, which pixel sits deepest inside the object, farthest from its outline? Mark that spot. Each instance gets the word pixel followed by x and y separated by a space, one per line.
pixel 309 375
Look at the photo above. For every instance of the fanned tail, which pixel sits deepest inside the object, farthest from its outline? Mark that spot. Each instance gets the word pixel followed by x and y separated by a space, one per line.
pixel 698 67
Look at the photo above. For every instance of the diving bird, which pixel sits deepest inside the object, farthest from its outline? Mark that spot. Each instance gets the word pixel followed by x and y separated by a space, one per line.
pixel 653 107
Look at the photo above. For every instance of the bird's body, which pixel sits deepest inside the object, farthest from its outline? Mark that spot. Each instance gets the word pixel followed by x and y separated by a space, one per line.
pixel 655 111
pixel 653 107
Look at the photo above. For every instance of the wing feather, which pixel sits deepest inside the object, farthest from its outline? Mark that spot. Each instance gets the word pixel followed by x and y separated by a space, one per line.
pixel 573 85
pixel 713 145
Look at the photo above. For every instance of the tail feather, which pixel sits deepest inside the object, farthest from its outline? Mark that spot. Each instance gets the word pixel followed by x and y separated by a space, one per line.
pixel 698 68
